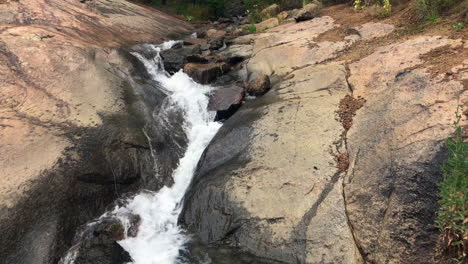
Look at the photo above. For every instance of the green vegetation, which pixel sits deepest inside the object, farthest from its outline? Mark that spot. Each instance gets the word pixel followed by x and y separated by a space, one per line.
pixel 384 6
pixel 430 10
pixel 452 218
pixel 458 26
pixel 211 9
pixel 251 28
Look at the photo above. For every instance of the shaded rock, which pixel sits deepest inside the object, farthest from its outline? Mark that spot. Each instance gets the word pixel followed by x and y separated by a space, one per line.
pixel 290 4
pixel 216 43
pixel 196 59
pixel 270 11
pixel 174 59
pixel 226 101
pixel 267 24
pixel 396 146
pixel 256 183
pixel 206 73
pixel 259 85
pixel 99 244
pixel 308 12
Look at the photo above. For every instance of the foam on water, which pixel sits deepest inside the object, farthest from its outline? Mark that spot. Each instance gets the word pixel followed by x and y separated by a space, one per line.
pixel 159 239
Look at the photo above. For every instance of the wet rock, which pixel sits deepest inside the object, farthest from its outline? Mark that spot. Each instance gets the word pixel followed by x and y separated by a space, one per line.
pixel 267 24
pixel 259 85
pixel 307 13
pixel 175 58
pixel 270 11
pixel 99 244
pixel 196 59
pixel 290 4
pixel 206 73
pixel 226 101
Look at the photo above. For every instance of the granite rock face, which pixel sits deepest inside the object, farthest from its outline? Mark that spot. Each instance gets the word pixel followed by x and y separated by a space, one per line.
pixel 284 180
pixel 70 119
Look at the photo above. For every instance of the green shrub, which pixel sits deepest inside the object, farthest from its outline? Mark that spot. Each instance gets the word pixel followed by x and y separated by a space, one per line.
pixel 251 28
pixel 429 10
pixel 384 5
pixel 452 218
pixel 458 26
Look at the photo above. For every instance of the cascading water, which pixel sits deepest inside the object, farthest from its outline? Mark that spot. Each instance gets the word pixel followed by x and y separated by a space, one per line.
pixel 159 239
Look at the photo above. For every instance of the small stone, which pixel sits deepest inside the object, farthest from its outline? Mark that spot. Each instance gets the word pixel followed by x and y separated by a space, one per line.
pixel 259 85
pixel 283 15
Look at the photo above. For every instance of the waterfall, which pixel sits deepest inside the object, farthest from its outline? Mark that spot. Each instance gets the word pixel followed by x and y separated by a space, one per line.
pixel 159 239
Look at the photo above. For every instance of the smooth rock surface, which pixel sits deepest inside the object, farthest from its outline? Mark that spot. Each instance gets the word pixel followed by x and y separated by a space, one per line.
pixel 396 146
pixel 71 121
pixel 226 101
pixel 290 46
pixel 256 171
pixel 267 24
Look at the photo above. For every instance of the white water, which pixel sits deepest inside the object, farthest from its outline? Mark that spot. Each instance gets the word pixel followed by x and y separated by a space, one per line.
pixel 159 239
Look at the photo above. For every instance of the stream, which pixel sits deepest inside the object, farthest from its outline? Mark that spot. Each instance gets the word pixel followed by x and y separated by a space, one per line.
pixel 159 238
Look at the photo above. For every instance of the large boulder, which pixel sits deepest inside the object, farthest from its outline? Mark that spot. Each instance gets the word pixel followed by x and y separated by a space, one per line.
pixel 205 73
pixel 308 12
pixel 270 11
pixel 174 59
pixel 226 101
pixel 258 182
pixel 98 244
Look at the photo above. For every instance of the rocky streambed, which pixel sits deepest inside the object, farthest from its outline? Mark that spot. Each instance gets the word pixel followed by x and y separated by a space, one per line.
pixel 330 148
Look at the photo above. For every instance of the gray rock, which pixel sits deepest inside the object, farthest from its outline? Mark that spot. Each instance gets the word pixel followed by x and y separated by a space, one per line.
pixel 255 182
pixel 174 59
pixel 226 101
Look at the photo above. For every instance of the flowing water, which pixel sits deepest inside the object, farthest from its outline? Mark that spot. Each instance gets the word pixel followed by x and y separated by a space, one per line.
pixel 160 240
